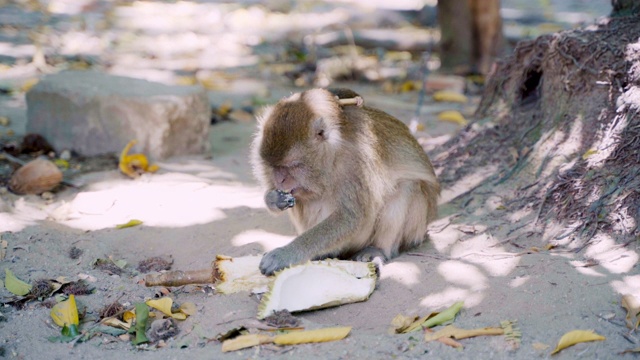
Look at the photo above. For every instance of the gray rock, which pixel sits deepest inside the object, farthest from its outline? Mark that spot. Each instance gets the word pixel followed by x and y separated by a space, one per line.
pixel 95 113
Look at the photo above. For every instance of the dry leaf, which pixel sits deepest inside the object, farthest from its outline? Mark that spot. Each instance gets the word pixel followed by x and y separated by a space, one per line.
pixel 313 336
pixel 113 322
pixel 632 305
pixel 576 336
pixel 435 318
pixel 457 333
pixel 3 249
pixel 188 308
pixel 245 341
pixel 446 340
pixel 540 346
pixel 401 322
pixel 452 116
pixel 449 96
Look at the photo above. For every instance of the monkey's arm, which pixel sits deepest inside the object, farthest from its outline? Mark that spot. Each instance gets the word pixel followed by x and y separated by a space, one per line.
pixel 326 238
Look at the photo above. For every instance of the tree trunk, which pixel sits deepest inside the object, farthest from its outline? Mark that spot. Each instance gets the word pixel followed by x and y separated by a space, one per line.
pixel 471 34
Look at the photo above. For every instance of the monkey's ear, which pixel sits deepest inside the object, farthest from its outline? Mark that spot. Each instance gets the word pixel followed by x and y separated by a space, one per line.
pixel 326 131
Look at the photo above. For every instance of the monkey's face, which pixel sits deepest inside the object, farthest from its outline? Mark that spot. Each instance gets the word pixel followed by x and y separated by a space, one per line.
pixel 297 143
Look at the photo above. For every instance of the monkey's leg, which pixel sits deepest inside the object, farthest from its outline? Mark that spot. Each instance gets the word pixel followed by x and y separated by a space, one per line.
pixel 401 219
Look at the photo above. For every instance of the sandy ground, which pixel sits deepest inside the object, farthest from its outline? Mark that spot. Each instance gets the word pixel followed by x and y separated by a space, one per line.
pixel 197 207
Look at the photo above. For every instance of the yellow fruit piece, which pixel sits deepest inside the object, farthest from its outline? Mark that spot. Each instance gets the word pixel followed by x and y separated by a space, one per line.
pixel 313 336
pixel 575 337
pixel 132 164
pixel 452 116
pixel 449 96
pixel 245 341
pixel 65 312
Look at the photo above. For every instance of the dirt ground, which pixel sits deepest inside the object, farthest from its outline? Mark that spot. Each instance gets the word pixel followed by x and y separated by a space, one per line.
pixel 197 207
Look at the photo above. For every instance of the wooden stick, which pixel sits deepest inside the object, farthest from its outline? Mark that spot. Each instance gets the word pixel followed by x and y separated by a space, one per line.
pixel 357 101
pixel 180 278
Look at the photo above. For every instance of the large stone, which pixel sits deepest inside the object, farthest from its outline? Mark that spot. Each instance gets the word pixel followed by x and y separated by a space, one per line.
pixel 95 113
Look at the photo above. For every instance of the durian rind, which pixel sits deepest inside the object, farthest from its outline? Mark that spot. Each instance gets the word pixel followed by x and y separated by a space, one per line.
pixel 317 285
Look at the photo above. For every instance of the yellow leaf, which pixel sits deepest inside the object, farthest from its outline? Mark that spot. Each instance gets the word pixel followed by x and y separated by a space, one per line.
pixel 452 116
pixel 65 312
pixel 179 316
pixel 457 333
pixel 130 223
pixel 313 336
pixel 632 305
pixel 61 163
pixel 27 85
pixel 245 341
pixel 163 304
pixel 188 308
pixel 128 316
pixel 589 153
pixel 576 336
pixel 15 285
pixel 449 96
pixel 132 164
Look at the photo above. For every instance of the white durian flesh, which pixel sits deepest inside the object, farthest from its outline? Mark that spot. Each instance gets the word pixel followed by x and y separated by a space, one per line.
pixel 239 274
pixel 318 284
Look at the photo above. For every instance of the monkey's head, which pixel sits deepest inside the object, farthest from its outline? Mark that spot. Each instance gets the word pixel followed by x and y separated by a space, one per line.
pixel 297 141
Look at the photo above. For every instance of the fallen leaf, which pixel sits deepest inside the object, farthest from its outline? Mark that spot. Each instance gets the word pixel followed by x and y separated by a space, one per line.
pixel 130 223
pixel 446 340
pixel 452 116
pixel 15 285
pixel 449 96
pixel 576 336
pixel 313 336
pixel 133 164
pixel 632 305
pixel 188 308
pixel 444 316
pixel 400 323
pixel 113 322
pixel 3 249
pixel 164 305
pixel 142 316
pixel 245 341
pixel 589 153
pixel 65 313
pixel 458 334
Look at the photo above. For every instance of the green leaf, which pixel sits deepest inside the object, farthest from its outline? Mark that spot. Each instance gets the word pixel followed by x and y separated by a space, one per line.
pixel 108 330
pixel 15 285
pixel 142 316
pixel 70 330
pixel 444 316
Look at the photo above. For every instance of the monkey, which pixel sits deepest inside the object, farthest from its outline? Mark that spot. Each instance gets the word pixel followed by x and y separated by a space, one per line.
pixel 355 182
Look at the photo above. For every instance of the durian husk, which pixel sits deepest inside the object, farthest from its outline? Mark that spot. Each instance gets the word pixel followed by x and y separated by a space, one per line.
pixel 239 274
pixel 317 285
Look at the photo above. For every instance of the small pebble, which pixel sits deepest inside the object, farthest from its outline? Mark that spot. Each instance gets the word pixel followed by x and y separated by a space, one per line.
pixel 65 155
pixel 47 195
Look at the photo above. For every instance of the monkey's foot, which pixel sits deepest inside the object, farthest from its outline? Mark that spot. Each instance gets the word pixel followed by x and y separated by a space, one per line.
pixel 371 254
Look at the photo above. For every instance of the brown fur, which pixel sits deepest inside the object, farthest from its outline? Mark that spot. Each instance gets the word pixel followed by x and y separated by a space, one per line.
pixel 363 185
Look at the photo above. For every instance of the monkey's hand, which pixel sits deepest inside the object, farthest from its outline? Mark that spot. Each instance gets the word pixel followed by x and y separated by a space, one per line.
pixel 280 258
pixel 279 200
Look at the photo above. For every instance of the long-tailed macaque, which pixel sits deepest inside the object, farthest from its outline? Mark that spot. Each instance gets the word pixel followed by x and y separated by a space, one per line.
pixel 353 179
